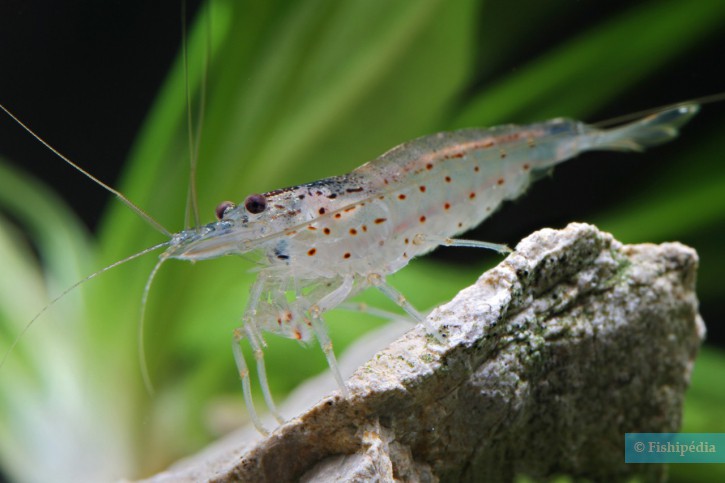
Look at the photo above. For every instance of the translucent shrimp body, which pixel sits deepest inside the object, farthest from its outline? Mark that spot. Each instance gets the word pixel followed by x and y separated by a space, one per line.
pixel 327 240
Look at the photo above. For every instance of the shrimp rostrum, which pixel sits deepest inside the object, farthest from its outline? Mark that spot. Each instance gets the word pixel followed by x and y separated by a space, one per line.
pixel 330 239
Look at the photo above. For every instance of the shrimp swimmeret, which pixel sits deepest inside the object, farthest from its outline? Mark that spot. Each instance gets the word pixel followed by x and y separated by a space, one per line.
pixel 330 239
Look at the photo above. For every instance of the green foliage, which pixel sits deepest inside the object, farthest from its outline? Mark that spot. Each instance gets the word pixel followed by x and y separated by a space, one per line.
pixel 299 91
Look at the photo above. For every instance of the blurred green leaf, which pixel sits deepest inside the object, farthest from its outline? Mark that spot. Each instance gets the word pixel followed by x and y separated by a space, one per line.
pixel 704 413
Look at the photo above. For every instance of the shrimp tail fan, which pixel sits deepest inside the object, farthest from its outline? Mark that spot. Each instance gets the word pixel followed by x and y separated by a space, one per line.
pixel 649 131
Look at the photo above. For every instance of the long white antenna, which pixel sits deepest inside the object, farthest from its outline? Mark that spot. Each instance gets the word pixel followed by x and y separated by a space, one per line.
pixel 194 134
pixel 141 213
pixel 72 287
pixel 192 204
pixel 141 351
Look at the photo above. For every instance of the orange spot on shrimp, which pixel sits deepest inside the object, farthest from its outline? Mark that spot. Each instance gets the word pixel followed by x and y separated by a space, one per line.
pixel 448 179
pixel 503 154
pixel 422 219
pixel 297 334
pixel 422 189
pixel 347 210
pixel 429 166
pixel 447 206
pixel 326 231
pixel 353 231
pixel 291 233
pixel 312 251
pixel 364 228
pixel 310 227
pixel 338 215
pixel 526 167
pixel 401 196
pixel 321 211
pixel 407 241
pixel 380 220
pixel 405 254
pixel 476 169
pixel 500 181
pixel 472 195
pixel 346 255
pixel 460 224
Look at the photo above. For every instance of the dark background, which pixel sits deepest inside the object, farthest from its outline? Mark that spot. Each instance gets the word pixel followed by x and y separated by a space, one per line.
pixel 83 75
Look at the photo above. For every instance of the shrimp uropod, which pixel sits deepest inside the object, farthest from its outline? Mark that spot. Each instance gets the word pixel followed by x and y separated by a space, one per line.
pixel 333 238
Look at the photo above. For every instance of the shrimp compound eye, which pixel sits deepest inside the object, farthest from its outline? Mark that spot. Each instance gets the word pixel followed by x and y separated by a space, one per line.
pixel 255 204
pixel 222 208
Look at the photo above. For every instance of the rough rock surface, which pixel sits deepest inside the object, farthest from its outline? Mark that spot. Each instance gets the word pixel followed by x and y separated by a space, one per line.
pixel 549 358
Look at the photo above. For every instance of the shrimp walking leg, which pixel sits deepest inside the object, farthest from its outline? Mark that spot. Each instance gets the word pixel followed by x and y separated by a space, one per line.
pixel 252 334
pixel 379 282
pixel 246 386
pixel 250 313
pixel 364 308
pixel 257 343
pixel 331 300
pixel 460 242
pixel 262 372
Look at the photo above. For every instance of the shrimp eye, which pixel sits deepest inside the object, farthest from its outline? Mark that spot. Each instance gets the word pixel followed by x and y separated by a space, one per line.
pixel 255 204
pixel 222 208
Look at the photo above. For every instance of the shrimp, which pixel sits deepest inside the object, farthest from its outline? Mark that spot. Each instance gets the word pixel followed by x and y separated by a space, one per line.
pixel 327 240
